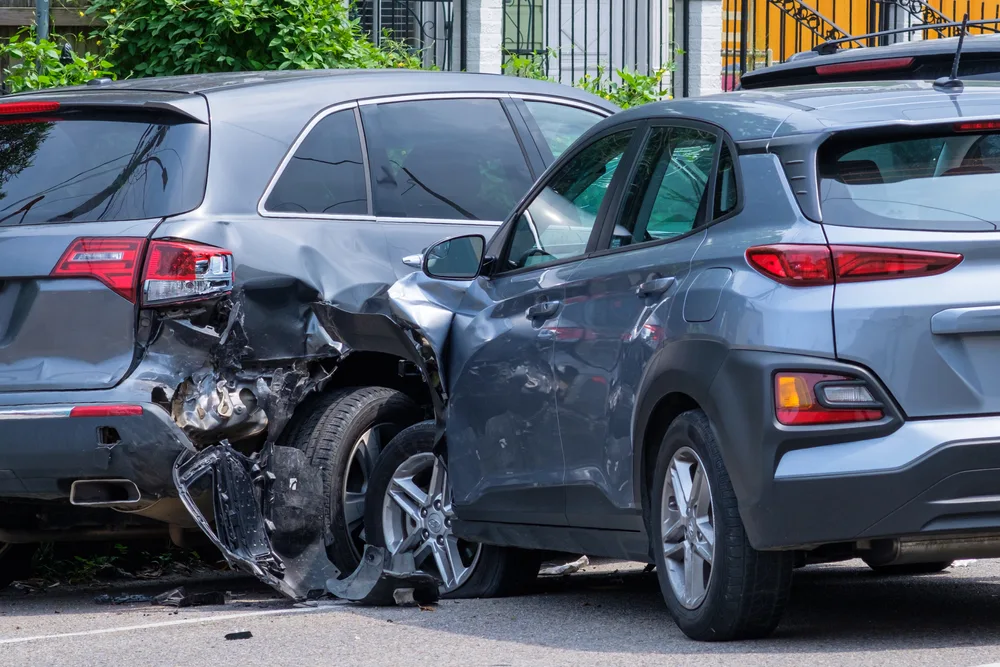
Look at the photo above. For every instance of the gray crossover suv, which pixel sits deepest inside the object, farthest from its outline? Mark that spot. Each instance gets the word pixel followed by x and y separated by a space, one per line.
pixel 727 336
pixel 162 243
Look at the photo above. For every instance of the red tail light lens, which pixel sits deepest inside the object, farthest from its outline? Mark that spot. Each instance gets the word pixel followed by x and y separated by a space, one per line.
pixel 811 265
pixel 881 65
pixel 977 126
pixel 115 262
pixel 16 108
pixel 106 411
pixel 796 402
pixel 178 271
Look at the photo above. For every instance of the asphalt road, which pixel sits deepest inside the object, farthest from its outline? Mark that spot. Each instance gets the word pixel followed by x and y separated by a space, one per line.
pixel 840 615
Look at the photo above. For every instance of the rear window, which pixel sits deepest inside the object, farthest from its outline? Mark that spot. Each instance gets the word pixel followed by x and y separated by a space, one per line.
pixel 86 168
pixel 927 182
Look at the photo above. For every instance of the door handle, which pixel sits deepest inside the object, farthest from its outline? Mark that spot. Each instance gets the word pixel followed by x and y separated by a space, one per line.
pixel 654 286
pixel 413 260
pixel 543 310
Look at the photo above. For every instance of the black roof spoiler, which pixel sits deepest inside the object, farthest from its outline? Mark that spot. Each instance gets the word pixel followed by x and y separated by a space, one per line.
pixel 830 46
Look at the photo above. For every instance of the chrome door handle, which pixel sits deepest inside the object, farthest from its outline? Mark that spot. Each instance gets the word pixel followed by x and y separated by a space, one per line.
pixel 413 260
pixel 654 286
pixel 542 311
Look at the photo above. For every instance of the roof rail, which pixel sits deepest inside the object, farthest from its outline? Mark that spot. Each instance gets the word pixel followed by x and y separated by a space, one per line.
pixel 830 46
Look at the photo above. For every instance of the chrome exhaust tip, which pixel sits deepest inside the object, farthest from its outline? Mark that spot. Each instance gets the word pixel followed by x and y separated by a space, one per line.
pixel 104 492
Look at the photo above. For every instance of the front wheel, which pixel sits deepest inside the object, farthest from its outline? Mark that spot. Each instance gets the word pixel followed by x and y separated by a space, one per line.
pixel 716 586
pixel 408 509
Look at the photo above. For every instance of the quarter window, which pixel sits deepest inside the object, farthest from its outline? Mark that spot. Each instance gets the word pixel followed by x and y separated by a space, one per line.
pixel 560 124
pixel 668 194
pixel 558 223
pixel 444 159
pixel 326 175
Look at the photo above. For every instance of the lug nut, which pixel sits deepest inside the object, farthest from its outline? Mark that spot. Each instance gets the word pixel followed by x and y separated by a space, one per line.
pixel 437 504
pixel 426 534
pixel 441 540
pixel 447 522
pixel 423 512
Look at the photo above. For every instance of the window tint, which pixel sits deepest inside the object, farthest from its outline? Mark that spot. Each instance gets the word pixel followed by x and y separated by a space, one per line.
pixel 455 159
pixel 558 223
pixel 100 167
pixel 327 173
pixel 667 196
pixel 560 124
pixel 927 182
pixel 725 183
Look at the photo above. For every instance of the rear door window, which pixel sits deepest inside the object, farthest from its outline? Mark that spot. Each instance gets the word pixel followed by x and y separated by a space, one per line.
pixel 326 175
pixel 560 124
pixel 85 167
pixel 926 182
pixel 444 159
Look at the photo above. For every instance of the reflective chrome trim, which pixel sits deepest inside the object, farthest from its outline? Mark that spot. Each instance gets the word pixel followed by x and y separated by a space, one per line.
pixel 566 101
pixel 25 412
pixel 288 158
pixel 421 97
pixel 445 221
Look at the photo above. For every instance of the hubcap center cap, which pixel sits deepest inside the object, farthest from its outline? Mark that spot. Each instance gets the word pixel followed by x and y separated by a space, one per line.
pixel 435 523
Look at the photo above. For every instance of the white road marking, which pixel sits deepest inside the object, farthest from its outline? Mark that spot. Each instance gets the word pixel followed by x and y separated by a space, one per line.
pixel 167 624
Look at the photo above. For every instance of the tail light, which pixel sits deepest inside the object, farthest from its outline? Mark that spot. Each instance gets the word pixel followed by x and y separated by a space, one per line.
pixel 863 66
pixel 175 271
pixel 811 265
pixel 802 399
pixel 179 271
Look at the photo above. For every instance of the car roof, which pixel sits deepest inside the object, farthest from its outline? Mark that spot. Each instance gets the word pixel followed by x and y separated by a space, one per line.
pixel 338 85
pixel 784 111
pixel 974 44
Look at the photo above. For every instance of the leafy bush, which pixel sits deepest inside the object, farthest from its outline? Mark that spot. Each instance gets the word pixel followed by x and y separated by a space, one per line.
pixel 633 90
pixel 161 37
pixel 45 64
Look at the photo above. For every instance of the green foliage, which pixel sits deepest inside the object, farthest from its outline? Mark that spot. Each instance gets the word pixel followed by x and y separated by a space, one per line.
pixel 162 37
pixel 35 65
pixel 634 89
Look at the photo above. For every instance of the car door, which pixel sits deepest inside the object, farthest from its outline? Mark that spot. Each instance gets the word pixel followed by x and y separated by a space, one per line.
pixel 617 311
pixel 505 455
pixel 443 165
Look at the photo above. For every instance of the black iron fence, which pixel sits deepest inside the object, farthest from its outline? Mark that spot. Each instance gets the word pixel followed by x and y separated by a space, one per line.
pixel 572 38
pixel 424 26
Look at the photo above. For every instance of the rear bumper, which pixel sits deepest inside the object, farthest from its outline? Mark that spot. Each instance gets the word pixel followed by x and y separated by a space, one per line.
pixel 806 486
pixel 43 449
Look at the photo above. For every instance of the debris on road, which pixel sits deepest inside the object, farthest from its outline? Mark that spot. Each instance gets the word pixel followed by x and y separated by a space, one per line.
pixel 243 634
pixel 180 597
pixel 565 568
pixel 134 598
pixel 383 580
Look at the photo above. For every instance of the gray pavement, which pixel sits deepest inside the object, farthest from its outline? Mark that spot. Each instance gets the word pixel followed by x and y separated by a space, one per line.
pixel 606 615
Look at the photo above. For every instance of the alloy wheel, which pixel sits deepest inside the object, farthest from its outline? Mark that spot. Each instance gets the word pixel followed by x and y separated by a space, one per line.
pixel 360 464
pixel 417 516
pixel 688 527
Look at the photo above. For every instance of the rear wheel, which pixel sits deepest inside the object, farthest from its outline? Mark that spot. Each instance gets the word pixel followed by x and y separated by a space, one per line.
pixel 342 433
pixel 716 586
pixel 409 509
pixel 909 568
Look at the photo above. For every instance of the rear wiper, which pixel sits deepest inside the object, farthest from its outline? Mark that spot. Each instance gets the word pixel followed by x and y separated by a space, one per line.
pixel 23 211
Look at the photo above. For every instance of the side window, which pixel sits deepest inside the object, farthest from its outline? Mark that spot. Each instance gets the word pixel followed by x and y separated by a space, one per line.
pixel 669 193
pixel 558 223
pixel 451 159
pixel 725 183
pixel 560 124
pixel 326 175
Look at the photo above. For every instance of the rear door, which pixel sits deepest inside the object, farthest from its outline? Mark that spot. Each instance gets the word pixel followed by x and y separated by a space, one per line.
pixel 930 326
pixel 80 191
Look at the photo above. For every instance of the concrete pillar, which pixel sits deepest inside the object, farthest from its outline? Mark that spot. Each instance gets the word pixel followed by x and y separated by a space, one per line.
pixel 704 54
pixel 484 25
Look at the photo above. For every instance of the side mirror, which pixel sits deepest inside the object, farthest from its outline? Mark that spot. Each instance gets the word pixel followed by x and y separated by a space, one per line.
pixel 457 258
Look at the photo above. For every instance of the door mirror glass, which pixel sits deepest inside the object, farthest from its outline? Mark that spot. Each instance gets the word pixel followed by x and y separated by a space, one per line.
pixel 457 258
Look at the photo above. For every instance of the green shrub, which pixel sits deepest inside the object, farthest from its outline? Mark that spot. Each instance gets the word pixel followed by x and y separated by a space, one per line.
pixel 35 65
pixel 161 37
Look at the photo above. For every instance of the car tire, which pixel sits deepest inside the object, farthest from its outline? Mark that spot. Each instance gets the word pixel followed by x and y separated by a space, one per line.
pixel 342 433
pixel 716 586
pixel 482 570
pixel 909 569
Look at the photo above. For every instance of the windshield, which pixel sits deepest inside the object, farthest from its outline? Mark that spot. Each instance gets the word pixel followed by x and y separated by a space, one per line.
pixel 928 182
pixel 86 168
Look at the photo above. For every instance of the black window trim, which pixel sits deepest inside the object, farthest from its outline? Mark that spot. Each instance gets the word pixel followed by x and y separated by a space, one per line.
pixel 313 122
pixel 610 221
pixel 638 128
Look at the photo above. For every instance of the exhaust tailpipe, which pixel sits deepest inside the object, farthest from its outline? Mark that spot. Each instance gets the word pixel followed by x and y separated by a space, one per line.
pixel 910 551
pixel 104 492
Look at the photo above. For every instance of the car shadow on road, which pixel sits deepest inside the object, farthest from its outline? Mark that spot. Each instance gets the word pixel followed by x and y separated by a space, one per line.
pixel 833 609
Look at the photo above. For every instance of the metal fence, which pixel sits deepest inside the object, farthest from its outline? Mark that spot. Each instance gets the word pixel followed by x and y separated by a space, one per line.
pixel 424 26
pixel 574 38
pixel 757 33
